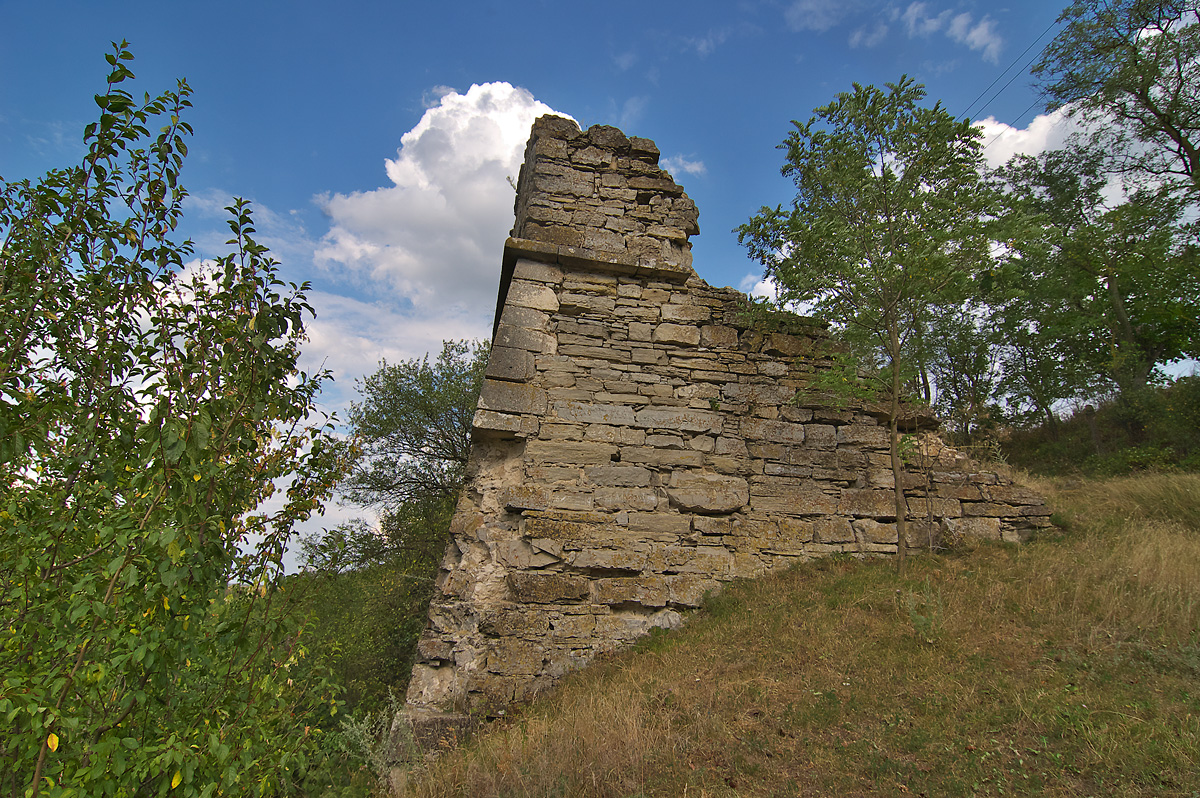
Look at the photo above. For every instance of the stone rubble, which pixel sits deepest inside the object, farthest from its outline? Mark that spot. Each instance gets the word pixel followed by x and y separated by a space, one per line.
pixel 641 439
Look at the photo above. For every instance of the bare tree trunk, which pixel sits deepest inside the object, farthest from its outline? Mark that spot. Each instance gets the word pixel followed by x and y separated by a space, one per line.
pixel 897 475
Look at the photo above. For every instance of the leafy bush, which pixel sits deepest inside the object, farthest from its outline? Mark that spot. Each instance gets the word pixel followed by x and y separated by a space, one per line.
pixel 148 409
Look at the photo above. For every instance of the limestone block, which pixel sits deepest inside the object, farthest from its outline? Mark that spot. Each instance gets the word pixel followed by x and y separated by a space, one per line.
pixel 641 331
pixel 679 419
pixel 687 590
pixel 685 313
pixel 519 554
pixel 576 452
pixel 986 509
pixel 987 528
pixel 939 508
pixel 547 588
pixel 526 294
pixel 573 626
pixel 679 334
pixel 662 458
pixel 574 304
pixel 718 336
pixel 594 352
pixel 537 272
pixel 507 363
pixel 862 435
pixel 528 318
pixel 511 397
pixel 747 565
pixel 593 527
pixel 708 493
pixel 792 502
pixel 489 421
pixel 781 344
pixel 780 432
pixel 572 184
pixel 571 500
pixel 513 621
pixel 609 559
pixel 649 591
pixel 867 503
pixel 664 524
pixel 618 476
pixel 871 531
pixel 832 530
pixel 433 685
pixel 584 413
pixel 754 393
pixel 515 657
pixel 1012 494
pixel 820 436
pixel 710 561
pixel 609 434
pixel 712 525
pixel 523 338
pixel 435 649
pixel 735 447
pixel 644 499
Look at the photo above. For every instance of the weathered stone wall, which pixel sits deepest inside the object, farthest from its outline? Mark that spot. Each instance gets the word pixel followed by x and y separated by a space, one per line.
pixel 638 440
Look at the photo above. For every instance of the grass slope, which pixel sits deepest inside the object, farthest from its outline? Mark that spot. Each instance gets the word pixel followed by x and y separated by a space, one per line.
pixel 1067 667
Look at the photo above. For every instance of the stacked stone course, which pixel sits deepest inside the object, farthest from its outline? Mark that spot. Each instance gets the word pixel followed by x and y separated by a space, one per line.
pixel 639 441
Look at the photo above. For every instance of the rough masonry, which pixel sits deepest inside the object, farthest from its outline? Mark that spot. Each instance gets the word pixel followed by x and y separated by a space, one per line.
pixel 641 439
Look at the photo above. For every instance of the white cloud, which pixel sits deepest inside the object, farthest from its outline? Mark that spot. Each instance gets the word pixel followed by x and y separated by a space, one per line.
pixel 625 61
pixel 758 286
pixel 704 45
pixel 1044 132
pixel 869 37
pixel 435 235
pixel 979 36
pixel 350 336
pixel 679 164
pixel 918 22
pixel 815 15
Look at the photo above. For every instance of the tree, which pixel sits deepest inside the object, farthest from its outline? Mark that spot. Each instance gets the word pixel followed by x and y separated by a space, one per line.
pixel 413 427
pixel 886 225
pixel 148 409
pixel 412 437
pixel 1112 282
pixel 1131 68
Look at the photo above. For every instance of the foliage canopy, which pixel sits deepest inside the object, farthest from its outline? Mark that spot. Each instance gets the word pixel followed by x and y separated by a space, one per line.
pixel 150 408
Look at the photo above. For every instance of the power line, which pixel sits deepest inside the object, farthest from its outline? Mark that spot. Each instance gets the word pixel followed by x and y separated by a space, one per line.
pixel 1015 61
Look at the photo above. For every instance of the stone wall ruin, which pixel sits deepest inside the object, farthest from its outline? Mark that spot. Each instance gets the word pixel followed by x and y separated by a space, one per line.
pixel 640 440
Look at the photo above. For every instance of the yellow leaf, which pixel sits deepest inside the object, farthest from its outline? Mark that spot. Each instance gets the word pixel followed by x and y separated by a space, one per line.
pixel 52 741
pixel 166 605
pixel 178 777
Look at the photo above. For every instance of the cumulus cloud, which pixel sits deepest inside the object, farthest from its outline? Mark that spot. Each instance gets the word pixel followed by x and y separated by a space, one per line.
pixel 980 36
pixel 1044 132
pixel 434 235
pixel 679 164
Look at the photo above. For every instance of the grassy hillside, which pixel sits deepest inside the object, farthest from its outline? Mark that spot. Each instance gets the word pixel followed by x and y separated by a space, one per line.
pixel 1069 666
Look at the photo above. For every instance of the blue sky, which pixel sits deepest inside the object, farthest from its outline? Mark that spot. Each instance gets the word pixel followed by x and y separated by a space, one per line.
pixel 376 139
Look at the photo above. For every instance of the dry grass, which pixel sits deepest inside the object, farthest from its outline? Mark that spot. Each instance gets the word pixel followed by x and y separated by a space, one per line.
pixel 1068 667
